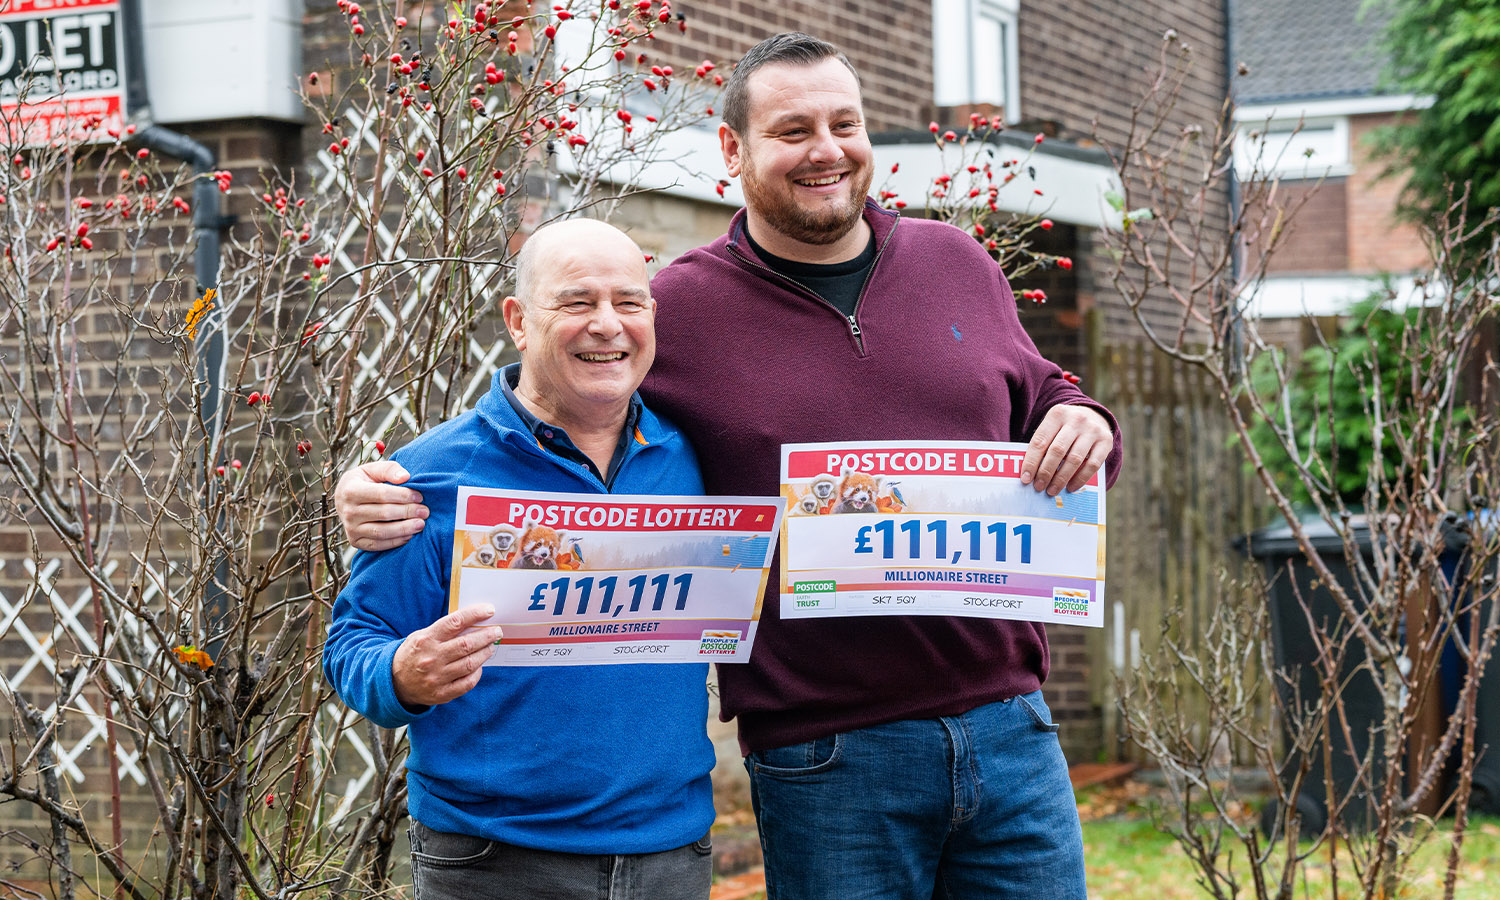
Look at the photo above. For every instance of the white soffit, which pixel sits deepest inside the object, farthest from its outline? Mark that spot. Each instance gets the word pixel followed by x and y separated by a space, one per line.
pixel 223 59
pixel 1339 106
pixel 1283 297
pixel 1072 190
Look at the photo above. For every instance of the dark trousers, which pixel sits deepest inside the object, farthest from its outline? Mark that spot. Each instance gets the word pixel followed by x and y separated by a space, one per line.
pixel 460 867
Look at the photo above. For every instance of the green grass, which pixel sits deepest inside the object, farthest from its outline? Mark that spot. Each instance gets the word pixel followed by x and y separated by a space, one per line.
pixel 1128 859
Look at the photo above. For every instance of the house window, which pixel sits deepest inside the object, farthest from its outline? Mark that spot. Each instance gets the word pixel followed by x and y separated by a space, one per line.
pixel 974 54
pixel 1295 149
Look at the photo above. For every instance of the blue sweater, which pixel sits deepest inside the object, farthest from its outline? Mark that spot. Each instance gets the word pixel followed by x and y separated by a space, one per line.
pixel 576 759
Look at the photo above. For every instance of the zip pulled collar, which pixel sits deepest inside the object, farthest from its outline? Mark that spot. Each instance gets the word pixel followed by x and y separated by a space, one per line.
pixel 881 222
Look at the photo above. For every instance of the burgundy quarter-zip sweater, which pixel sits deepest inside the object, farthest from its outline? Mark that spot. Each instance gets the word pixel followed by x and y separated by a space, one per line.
pixel 748 360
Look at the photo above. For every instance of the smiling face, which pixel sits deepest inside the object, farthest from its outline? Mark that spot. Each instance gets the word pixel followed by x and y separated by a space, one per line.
pixel 586 332
pixel 804 161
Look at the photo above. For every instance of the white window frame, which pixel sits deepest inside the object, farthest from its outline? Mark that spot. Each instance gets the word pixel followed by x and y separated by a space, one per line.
pixel 1281 146
pixel 961 59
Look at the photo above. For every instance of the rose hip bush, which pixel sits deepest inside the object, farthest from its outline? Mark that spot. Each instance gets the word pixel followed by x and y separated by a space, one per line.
pixel 170 447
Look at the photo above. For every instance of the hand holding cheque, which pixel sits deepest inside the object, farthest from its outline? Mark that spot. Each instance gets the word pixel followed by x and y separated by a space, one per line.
pixel 445 659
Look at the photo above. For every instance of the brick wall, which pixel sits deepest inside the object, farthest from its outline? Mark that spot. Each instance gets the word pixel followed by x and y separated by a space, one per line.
pixel 1317 240
pixel 1378 242
pixel 890 44
pixel 1087 61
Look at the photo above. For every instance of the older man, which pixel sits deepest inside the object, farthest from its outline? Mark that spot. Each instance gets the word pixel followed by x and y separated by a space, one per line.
pixel 893 757
pixel 570 782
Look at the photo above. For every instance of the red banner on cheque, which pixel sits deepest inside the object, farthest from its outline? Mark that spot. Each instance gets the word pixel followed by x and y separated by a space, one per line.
pixel 976 460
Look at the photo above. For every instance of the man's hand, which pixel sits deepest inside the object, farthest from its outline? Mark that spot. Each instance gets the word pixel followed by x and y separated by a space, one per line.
pixel 1068 448
pixel 445 659
pixel 375 512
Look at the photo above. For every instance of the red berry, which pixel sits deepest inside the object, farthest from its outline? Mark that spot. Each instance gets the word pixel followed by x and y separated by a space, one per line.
pixel 142 153
pixel 83 229
pixel 219 471
pixel 52 245
pixel 401 21
pixel 86 243
pixel 932 127
pixel 236 464
pixel 334 149
pixel 1040 138
pixel 84 203
pixel 380 446
pixel 1045 224
pixel 254 398
pixel 1064 263
pixel 550 31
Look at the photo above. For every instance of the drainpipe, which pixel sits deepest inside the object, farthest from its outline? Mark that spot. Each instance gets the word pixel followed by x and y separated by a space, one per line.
pixel 1235 327
pixel 207 226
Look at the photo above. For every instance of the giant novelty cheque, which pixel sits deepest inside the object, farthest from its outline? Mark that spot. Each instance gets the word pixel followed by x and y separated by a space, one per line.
pixel 936 528
pixel 589 579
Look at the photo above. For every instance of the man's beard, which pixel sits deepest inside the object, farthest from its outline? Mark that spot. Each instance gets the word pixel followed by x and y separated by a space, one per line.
pixel 782 212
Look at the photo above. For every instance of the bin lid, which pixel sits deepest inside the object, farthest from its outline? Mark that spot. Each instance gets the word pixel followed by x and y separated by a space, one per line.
pixel 1277 539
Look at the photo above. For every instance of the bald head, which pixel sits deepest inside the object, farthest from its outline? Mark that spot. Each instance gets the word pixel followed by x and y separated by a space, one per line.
pixel 583 321
pixel 570 236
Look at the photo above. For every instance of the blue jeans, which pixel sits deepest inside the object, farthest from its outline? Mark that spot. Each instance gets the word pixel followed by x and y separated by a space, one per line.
pixel 970 806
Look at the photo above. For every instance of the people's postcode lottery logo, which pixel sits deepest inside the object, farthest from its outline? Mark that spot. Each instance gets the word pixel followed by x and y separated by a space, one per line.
pixel 719 643
pixel 1070 602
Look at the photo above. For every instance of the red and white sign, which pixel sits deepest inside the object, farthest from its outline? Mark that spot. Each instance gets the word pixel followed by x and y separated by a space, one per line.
pixel 62 70
pixel 596 579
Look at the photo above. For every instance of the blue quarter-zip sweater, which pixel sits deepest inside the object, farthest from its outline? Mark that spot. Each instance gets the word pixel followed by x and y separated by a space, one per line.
pixel 575 759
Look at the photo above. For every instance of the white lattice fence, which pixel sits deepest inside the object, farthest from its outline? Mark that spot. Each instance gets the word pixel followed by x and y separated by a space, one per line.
pixel 423 206
pixel 69 630
pixel 37 673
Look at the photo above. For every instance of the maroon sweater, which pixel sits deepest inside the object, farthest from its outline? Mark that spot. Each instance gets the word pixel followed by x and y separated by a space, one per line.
pixel 748 360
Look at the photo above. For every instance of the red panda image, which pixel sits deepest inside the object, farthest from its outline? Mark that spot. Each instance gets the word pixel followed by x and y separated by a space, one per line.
pixel 857 493
pixel 540 547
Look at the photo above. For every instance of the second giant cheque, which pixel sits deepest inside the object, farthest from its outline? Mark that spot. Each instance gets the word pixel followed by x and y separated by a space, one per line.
pixel 936 528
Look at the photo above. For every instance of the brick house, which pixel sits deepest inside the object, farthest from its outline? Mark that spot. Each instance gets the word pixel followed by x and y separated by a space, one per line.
pixel 1313 90
pixel 222 72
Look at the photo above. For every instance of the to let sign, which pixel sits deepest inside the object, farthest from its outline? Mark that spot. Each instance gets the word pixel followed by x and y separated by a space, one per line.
pixel 62 72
